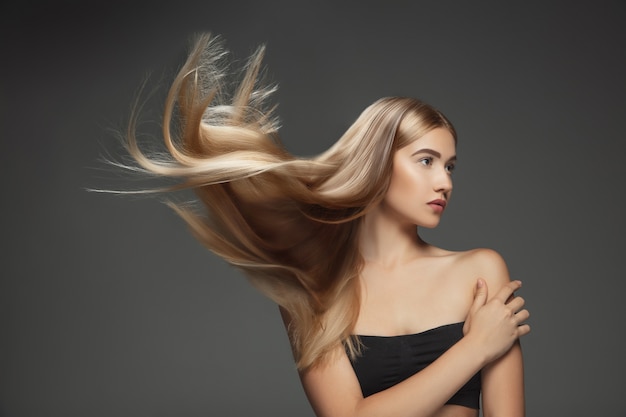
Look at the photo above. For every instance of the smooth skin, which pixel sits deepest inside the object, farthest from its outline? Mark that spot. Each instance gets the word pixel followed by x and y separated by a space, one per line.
pixel 409 286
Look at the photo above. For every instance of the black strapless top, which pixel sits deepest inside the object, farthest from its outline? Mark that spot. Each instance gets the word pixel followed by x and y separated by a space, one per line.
pixel 388 360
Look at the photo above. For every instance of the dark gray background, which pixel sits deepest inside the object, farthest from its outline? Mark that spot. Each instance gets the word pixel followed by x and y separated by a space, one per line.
pixel 110 308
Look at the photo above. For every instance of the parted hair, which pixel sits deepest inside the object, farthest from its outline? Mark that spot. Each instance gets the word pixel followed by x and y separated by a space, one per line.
pixel 291 224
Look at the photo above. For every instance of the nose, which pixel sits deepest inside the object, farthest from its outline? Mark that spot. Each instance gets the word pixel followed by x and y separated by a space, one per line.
pixel 443 181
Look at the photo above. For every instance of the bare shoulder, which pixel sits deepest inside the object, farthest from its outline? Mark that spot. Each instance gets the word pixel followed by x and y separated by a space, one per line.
pixel 484 263
pixel 483 259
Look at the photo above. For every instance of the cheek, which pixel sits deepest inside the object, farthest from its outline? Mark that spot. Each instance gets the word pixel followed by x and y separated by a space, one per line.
pixel 404 184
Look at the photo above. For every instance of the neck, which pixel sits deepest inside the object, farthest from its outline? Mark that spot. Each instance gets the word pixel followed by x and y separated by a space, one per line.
pixel 386 241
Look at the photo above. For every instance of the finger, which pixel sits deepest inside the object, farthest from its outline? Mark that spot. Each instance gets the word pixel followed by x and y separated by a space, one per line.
pixel 480 295
pixel 516 303
pixel 522 315
pixel 507 290
pixel 523 330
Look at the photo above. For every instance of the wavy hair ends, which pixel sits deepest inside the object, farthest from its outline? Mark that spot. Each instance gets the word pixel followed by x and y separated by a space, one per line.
pixel 201 110
pixel 290 224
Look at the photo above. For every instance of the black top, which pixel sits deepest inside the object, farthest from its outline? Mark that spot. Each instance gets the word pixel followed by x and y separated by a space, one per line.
pixel 388 360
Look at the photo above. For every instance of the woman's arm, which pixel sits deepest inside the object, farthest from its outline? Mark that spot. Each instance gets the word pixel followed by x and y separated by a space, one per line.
pixel 502 379
pixel 333 389
pixel 503 385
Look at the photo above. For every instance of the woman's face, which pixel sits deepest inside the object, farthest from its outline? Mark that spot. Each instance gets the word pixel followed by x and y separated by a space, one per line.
pixel 421 179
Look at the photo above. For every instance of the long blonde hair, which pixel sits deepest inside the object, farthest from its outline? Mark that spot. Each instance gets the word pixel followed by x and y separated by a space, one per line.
pixel 291 224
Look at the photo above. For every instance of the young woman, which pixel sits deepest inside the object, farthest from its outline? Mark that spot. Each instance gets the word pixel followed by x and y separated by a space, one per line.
pixel 381 323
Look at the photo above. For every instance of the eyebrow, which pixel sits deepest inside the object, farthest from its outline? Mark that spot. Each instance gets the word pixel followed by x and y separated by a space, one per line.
pixel 432 152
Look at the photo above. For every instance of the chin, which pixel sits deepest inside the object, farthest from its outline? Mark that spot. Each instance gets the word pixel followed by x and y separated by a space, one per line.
pixel 428 225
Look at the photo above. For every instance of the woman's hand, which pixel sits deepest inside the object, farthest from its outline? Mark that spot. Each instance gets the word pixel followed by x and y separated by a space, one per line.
pixel 497 324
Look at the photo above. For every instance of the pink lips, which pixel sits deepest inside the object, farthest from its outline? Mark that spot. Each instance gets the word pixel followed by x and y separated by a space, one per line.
pixel 438 205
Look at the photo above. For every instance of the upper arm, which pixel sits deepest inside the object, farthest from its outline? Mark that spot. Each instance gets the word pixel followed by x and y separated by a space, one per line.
pixel 503 379
pixel 490 266
pixel 332 388
pixel 503 385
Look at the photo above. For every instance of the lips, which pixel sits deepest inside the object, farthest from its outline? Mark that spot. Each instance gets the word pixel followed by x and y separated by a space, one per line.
pixel 438 205
pixel 438 202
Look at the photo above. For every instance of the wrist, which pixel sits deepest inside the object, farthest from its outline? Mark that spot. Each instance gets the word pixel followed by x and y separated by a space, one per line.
pixel 475 349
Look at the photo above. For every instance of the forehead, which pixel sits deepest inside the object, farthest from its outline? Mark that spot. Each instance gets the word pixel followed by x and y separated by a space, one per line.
pixel 438 139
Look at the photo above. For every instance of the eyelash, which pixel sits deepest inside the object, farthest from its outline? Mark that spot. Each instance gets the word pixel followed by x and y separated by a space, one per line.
pixel 428 161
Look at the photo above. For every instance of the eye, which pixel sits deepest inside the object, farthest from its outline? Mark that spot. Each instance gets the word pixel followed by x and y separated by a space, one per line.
pixel 428 161
pixel 450 168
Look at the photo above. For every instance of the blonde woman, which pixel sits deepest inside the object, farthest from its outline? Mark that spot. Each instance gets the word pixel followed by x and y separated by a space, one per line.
pixel 381 323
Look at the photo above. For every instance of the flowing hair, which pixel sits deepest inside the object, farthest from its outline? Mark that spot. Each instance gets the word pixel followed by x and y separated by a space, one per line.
pixel 290 224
